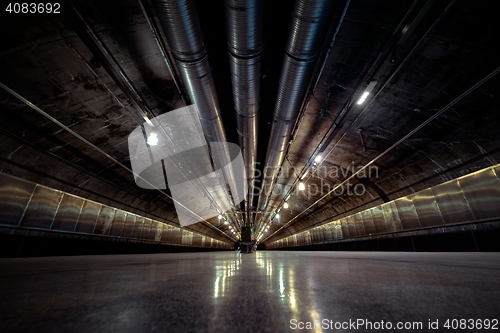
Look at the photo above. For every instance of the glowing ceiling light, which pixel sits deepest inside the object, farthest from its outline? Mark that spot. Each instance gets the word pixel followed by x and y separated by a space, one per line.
pixel 367 92
pixel 317 159
pixel 302 187
pixel 153 139
pixel 285 205
pixel 226 223
pixel 277 216
pixel 220 216
pixel 363 97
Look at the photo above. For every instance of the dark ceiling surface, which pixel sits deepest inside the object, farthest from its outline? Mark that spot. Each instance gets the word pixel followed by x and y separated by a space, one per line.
pixel 429 60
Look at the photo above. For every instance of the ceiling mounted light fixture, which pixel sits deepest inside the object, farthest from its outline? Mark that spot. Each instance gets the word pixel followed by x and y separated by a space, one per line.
pixel 302 187
pixel 367 92
pixel 285 205
pixel 363 97
pixel 153 139
pixel 317 159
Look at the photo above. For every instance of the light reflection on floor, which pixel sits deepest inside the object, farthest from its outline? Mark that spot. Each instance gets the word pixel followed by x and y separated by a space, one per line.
pixel 229 291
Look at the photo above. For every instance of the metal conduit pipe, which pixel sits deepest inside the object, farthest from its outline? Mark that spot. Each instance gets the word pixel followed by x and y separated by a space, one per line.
pixel 180 24
pixel 309 24
pixel 244 21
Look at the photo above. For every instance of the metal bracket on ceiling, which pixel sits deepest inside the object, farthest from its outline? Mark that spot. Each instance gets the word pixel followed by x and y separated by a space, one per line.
pixel 363 142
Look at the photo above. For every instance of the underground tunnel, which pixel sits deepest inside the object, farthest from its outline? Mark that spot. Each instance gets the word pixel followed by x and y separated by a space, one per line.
pixel 249 166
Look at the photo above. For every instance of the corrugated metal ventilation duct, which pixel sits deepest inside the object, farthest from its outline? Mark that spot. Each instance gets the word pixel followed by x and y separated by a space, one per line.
pixel 309 24
pixel 245 45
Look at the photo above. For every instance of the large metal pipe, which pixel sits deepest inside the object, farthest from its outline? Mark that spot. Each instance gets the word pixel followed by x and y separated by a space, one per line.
pixel 309 25
pixel 244 21
pixel 182 29
pixel 163 50
pixel 181 26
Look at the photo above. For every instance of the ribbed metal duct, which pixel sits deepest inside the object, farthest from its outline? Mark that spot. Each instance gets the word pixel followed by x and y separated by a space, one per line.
pixel 181 26
pixel 308 27
pixel 245 44
pixel 183 32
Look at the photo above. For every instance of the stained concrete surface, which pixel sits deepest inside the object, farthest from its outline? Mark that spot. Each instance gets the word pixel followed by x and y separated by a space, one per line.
pixel 233 292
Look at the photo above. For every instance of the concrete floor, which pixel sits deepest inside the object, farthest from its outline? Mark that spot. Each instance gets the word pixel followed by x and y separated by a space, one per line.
pixel 261 292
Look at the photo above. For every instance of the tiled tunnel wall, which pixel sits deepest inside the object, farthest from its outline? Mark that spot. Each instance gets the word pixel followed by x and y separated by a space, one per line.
pixel 471 199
